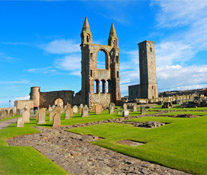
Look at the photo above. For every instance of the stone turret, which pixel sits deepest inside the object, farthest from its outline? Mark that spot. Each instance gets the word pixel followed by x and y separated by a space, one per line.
pixel 86 36
pixel 113 39
pixel 35 96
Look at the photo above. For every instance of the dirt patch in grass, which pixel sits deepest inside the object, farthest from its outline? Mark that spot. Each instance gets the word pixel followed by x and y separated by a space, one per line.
pixel 130 142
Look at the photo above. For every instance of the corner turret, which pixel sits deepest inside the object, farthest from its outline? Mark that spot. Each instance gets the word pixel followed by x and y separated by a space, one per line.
pixel 86 36
pixel 113 39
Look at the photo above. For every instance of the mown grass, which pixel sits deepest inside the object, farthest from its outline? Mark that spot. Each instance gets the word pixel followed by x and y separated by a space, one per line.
pixel 186 112
pixel 181 144
pixel 17 160
pixel 177 108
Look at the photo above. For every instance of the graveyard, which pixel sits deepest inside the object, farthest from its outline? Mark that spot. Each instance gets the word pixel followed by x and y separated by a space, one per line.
pixel 166 139
pixel 80 99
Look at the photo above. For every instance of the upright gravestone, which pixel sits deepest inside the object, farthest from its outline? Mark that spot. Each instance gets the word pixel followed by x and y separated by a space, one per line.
pixel 85 111
pixel 57 117
pixel 68 113
pixel 142 110
pixel 98 109
pixel 126 113
pixel 75 109
pixel 111 108
pixel 80 108
pixel 41 116
pixel 20 122
pixel 124 106
pixel 2 114
pixel 51 115
pixel 135 107
pixel 25 116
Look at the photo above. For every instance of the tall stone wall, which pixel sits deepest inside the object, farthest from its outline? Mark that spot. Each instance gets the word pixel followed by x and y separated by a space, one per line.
pixel 92 77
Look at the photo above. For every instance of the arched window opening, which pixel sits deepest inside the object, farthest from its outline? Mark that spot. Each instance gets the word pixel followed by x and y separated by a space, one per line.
pixel 88 38
pixel 96 87
pixel 117 74
pixel 103 86
pixel 91 73
pixel 108 86
pixel 117 59
pixel 101 60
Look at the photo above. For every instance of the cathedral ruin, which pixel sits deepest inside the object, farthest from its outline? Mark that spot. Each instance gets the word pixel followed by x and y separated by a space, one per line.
pixel 99 86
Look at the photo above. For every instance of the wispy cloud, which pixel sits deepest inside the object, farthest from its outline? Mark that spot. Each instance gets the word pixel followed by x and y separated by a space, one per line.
pixel 26 97
pixel 61 46
pixel 5 57
pixel 70 63
pixel 15 82
pixel 43 70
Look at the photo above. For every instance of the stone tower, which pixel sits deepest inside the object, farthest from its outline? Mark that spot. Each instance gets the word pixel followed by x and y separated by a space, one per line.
pixel 35 96
pixel 147 66
pixel 93 79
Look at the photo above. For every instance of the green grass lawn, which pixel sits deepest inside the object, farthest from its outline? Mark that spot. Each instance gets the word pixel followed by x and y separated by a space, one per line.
pixel 181 144
pixel 177 108
pixel 24 160
pixel 186 112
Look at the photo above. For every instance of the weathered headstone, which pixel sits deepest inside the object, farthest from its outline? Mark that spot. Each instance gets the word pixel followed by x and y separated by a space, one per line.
pixel 75 109
pixel 85 111
pixel 126 113
pixel 98 109
pixel 51 115
pixel 67 113
pixel 57 117
pixel 124 106
pixel 25 116
pixel 41 116
pixel 111 108
pixel 20 122
pixel 80 108
pixel 135 107
pixel 142 110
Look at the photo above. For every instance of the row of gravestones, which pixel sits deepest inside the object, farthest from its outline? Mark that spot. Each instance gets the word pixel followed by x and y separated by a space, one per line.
pixel 126 111
pixel 40 117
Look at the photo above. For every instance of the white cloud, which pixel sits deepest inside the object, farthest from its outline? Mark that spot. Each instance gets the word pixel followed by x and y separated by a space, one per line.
pixel 61 46
pixel 26 97
pixel 42 70
pixel 15 82
pixel 70 63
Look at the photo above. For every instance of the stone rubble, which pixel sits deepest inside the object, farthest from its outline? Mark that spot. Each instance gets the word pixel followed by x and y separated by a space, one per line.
pixel 76 155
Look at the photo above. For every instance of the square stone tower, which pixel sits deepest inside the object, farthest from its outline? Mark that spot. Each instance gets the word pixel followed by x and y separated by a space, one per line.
pixel 99 86
pixel 147 67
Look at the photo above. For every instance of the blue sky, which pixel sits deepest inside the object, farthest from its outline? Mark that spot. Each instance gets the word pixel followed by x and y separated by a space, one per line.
pixel 39 42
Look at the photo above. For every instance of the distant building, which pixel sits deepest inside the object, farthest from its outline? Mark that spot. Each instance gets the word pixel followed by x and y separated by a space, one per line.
pixel 147 66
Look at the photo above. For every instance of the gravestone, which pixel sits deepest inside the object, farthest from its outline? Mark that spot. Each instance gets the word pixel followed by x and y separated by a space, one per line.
pixel 98 109
pixel 111 108
pixel 80 108
pixel 126 113
pixel 135 107
pixel 94 108
pixel 75 109
pixel 124 106
pixel 85 111
pixel 57 117
pixel 67 114
pixel 41 116
pixel 20 122
pixel 119 112
pixel 25 116
pixel 2 114
pixel 51 115
pixel 50 108
pixel 142 110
